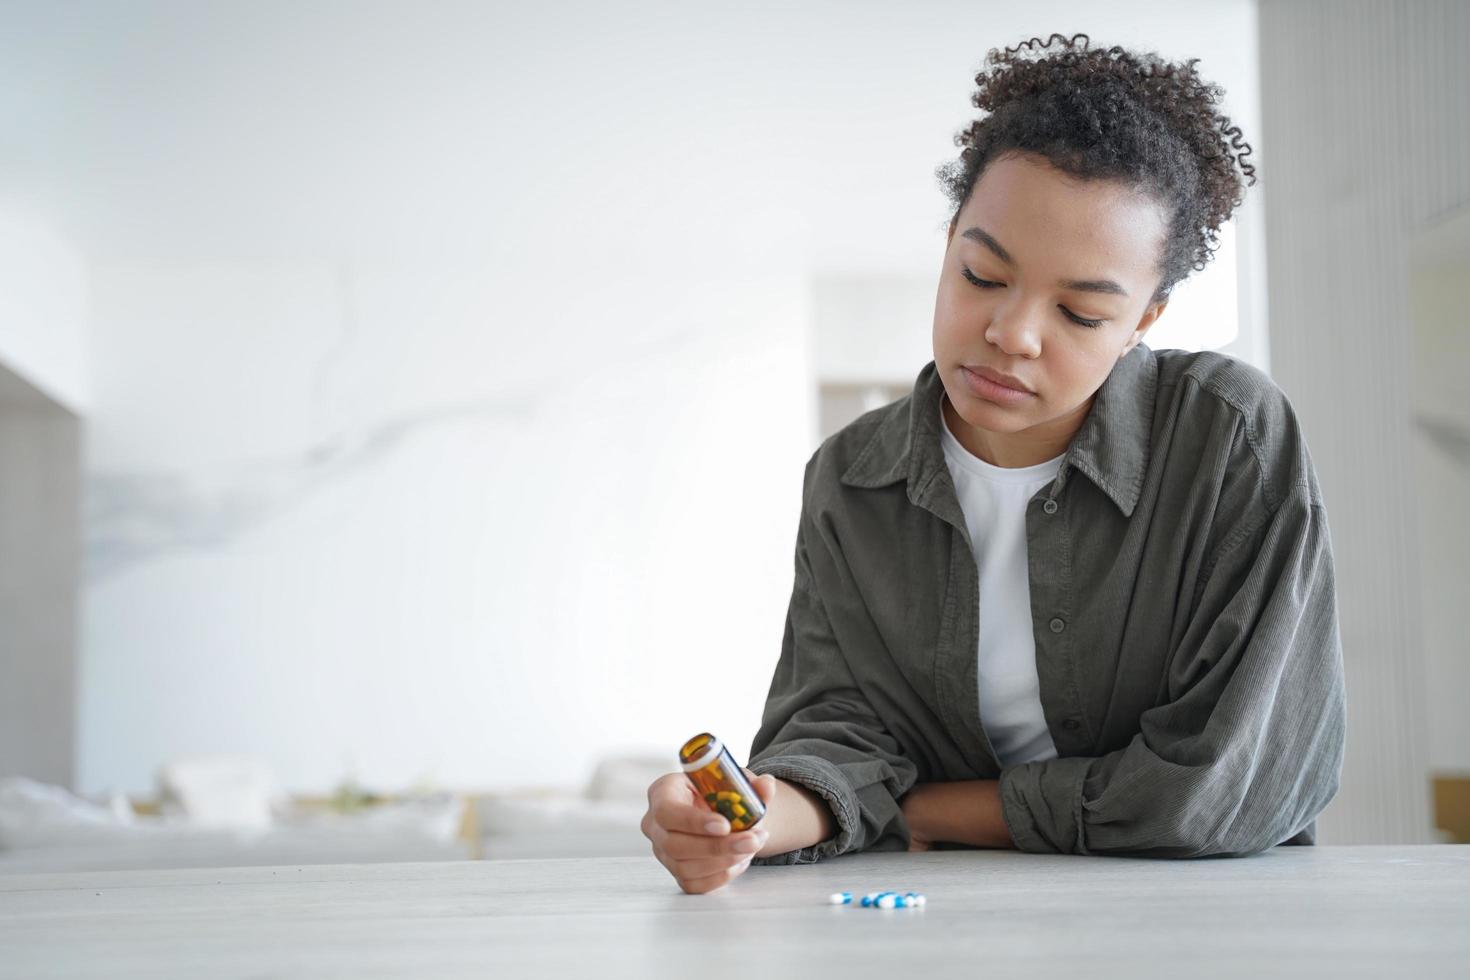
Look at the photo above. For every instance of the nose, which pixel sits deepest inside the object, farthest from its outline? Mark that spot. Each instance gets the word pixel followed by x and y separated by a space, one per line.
pixel 1015 331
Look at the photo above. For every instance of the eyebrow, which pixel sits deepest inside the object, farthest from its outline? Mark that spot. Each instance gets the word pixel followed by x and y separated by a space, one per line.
pixel 1083 285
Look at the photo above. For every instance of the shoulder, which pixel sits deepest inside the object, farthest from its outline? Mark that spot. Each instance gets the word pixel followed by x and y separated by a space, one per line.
pixel 868 451
pixel 1236 383
pixel 1203 386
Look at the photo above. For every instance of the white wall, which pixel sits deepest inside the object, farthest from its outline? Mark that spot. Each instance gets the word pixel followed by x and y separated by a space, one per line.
pixel 500 551
pixel 1442 475
pixel 43 307
pixel 454 365
pixel 1366 145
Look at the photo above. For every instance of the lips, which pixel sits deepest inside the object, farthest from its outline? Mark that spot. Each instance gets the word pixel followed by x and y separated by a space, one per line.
pixel 1005 380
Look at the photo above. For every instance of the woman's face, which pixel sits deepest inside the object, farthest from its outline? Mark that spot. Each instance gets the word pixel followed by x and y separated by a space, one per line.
pixel 1033 252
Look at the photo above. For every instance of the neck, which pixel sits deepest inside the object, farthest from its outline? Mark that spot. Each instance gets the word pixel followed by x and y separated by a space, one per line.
pixel 1016 450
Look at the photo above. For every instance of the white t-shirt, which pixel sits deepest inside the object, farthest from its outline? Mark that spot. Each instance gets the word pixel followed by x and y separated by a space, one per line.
pixel 994 500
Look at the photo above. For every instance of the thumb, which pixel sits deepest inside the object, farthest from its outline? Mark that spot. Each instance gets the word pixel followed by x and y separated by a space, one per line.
pixel 765 787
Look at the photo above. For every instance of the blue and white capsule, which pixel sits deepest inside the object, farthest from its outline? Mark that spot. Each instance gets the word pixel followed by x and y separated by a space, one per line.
pixel 881 900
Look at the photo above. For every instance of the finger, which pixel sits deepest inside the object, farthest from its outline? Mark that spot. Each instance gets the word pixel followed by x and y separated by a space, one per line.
pixel 684 816
pixel 703 867
pixel 765 787
pixel 670 865
pixel 673 786
pixel 709 883
pixel 687 847
pixel 684 869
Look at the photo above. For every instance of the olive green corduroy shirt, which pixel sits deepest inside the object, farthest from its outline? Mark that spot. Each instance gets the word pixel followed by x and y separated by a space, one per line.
pixel 1182 605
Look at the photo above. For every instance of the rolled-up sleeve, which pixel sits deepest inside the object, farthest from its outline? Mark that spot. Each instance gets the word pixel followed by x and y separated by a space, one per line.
pixel 1247 747
pixel 820 731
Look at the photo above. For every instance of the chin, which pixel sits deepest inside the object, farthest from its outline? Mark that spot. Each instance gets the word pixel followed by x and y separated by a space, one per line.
pixel 987 415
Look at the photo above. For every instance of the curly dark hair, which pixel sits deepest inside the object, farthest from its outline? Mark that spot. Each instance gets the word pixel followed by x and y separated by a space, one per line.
pixel 1114 115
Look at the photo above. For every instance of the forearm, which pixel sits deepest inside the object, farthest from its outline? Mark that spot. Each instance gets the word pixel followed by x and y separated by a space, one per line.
pixel 797 818
pixel 962 812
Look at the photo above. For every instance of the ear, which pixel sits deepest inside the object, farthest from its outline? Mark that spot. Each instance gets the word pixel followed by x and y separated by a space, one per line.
pixel 1152 313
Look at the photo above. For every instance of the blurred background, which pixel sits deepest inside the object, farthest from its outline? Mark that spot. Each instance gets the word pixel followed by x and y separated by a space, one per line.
pixel 403 407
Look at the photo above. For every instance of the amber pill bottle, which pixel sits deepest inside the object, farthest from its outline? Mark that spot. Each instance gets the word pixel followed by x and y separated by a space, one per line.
pixel 722 784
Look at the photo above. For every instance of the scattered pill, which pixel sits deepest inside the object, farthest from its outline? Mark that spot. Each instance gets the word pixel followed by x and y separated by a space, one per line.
pixel 880 900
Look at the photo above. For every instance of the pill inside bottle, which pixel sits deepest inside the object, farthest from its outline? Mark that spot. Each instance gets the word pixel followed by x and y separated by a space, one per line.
pixel 720 782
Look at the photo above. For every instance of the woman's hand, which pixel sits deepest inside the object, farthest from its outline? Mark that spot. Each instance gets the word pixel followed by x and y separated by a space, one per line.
pixel 678 825
pixel 965 812
pixel 913 807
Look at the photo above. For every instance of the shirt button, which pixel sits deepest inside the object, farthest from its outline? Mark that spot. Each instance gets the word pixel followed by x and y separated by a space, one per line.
pixel 1050 506
pixel 1057 625
pixel 1071 724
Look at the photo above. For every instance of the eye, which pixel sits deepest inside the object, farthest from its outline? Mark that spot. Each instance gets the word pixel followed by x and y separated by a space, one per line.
pixel 987 284
pixel 1093 324
pixel 982 283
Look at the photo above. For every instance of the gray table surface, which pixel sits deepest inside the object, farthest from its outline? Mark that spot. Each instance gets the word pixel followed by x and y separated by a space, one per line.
pixel 1291 911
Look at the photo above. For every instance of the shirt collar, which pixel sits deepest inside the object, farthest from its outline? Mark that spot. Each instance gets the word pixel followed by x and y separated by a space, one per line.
pixel 1111 448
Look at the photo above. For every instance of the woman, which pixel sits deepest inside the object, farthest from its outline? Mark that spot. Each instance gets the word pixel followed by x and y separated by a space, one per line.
pixel 1071 594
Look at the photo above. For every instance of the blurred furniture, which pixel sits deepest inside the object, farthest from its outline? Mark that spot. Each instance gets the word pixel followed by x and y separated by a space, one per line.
pixel 1452 807
pixel 40 572
pixel 45 396
pixel 46 828
pixel 601 819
